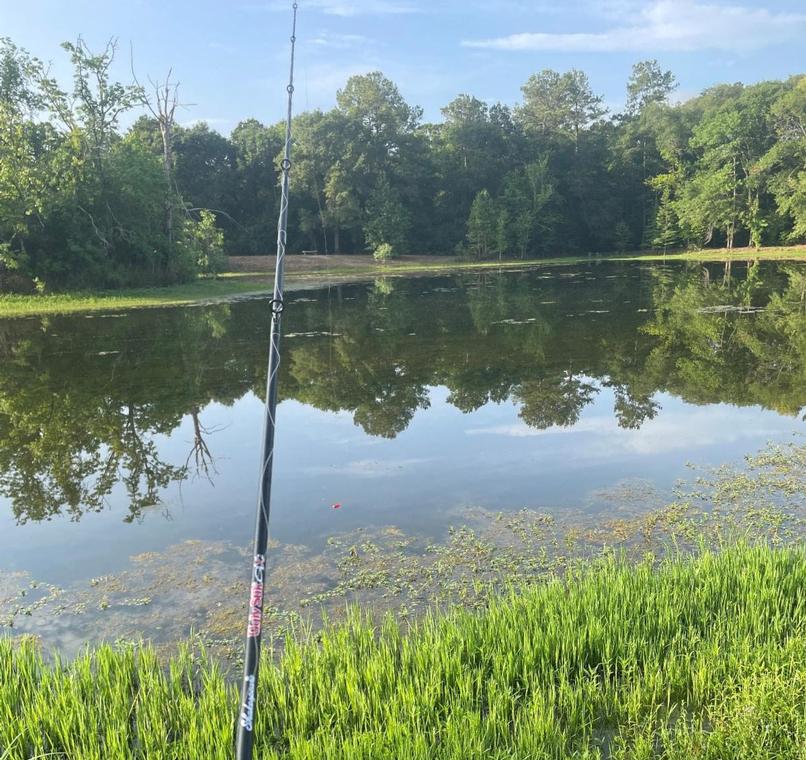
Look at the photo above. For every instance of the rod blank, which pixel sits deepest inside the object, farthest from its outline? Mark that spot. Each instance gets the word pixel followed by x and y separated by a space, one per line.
pixel 248 712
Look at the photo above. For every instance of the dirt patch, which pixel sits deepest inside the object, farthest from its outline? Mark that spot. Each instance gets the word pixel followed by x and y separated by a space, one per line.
pixel 316 263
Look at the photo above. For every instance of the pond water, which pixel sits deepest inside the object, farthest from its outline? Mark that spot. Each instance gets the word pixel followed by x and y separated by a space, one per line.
pixel 129 442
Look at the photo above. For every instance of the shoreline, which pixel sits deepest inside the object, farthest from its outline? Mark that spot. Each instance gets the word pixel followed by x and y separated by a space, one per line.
pixel 565 637
pixel 310 272
pixel 565 667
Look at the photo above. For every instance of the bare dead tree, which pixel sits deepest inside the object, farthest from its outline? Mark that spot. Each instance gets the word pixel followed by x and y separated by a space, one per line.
pixel 200 452
pixel 161 101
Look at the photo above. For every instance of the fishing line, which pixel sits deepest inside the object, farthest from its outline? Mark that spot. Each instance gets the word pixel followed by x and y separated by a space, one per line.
pixel 246 718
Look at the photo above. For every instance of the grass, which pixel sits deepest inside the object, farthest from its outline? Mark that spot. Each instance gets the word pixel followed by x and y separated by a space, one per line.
pixel 12 305
pixel 232 284
pixel 773 253
pixel 701 657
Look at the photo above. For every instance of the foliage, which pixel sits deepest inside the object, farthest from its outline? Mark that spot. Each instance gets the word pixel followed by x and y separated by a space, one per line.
pixel 79 204
pixel 387 221
pixel 84 205
pixel 481 225
pixel 557 670
pixel 648 83
pixel 622 237
pixel 384 252
pixel 527 210
pixel 560 103
pixel 202 244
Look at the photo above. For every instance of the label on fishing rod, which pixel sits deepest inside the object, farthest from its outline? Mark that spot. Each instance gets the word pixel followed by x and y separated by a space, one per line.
pixel 248 711
pixel 256 597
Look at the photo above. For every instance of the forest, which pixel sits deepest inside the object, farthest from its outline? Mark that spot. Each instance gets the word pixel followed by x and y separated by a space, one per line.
pixel 102 187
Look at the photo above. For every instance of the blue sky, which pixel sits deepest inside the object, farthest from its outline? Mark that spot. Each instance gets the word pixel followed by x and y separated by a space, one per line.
pixel 231 57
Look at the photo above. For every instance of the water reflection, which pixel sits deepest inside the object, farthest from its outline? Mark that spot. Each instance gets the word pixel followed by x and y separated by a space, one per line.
pixel 83 401
pixel 86 403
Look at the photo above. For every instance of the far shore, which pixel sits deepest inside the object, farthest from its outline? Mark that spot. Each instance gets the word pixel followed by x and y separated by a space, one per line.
pixel 252 276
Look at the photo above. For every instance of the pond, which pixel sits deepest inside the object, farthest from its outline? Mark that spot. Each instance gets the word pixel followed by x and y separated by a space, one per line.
pixel 129 442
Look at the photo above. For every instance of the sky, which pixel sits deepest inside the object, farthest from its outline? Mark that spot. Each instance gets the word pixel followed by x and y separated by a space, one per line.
pixel 231 57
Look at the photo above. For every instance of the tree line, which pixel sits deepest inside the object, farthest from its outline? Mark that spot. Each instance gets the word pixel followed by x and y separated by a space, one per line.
pixel 85 202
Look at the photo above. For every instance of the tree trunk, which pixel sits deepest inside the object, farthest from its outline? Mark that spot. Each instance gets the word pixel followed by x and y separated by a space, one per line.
pixel 732 225
pixel 166 130
pixel 644 193
pixel 321 215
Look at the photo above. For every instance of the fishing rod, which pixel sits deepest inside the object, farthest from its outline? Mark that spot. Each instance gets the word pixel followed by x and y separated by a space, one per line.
pixel 248 712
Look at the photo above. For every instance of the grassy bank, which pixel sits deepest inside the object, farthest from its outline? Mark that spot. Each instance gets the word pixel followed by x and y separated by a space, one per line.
pixel 302 269
pixel 699 658
pixel 116 300
pixel 241 283
pixel 783 253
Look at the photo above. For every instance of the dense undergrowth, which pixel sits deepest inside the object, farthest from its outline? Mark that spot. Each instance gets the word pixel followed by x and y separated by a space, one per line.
pixel 700 657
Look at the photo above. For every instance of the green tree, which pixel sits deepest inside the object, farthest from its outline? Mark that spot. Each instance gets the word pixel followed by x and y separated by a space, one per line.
pixel 342 202
pixel 19 74
pixel 528 207
pixel 377 166
pixel 255 196
pixel 79 205
pixel 727 182
pixel 648 83
pixel 202 243
pixel 482 225
pixel 205 174
pixel 666 229
pixel 560 103
pixel 326 201
pixel 387 221
pixel 785 162
pixel 374 103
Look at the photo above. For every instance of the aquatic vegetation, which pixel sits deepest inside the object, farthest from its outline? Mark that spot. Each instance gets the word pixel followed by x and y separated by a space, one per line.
pixel 765 499
pixel 387 569
pixel 699 657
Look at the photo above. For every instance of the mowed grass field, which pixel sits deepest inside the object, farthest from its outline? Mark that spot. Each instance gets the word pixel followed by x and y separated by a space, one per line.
pixel 699 657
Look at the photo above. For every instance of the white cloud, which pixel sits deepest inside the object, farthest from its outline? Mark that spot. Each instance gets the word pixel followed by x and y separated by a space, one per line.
pixel 334 41
pixel 509 7
pixel 213 122
pixel 370 468
pixel 665 25
pixel 319 82
pixel 362 7
pixel 673 430
pixel 345 8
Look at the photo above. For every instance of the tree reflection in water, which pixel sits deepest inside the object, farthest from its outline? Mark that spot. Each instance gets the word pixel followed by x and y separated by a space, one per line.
pixel 83 400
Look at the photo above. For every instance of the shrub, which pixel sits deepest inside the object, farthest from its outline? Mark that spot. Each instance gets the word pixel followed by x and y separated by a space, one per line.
pixel 384 252
pixel 202 244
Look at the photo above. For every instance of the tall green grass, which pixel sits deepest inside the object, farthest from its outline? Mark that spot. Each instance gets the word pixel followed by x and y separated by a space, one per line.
pixel 695 658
